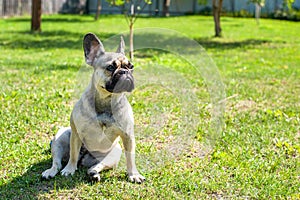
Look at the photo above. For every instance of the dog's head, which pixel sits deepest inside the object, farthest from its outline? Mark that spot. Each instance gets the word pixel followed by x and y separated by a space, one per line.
pixel 112 70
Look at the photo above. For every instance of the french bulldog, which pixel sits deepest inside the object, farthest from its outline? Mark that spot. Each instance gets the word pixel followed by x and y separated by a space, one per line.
pixel 100 118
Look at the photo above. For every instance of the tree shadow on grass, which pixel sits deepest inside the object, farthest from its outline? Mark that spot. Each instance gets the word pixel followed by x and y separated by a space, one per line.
pixel 38 69
pixel 73 40
pixel 47 40
pixel 149 43
pixel 44 44
pixel 30 185
pixel 67 19
pixel 144 38
pixel 209 43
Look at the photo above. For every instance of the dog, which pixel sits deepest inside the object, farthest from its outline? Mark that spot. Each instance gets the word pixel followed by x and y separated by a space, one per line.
pixel 100 118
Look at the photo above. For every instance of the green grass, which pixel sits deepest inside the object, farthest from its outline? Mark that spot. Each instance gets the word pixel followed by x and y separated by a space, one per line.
pixel 256 155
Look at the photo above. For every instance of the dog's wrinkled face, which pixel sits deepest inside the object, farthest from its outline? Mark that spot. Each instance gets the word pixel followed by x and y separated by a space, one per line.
pixel 112 71
pixel 120 73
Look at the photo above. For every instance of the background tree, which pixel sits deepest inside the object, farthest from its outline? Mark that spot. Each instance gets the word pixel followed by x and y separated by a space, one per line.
pixel 258 5
pixel 36 13
pixel 132 9
pixel 166 7
pixel 98 9
pixel 232 7
pixel 217 8
pixel 287 5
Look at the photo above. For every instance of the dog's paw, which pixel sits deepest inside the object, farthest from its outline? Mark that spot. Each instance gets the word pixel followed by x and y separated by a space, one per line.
pixel 49 173
pixel 94 175
pixel 68 170
pixel 136 178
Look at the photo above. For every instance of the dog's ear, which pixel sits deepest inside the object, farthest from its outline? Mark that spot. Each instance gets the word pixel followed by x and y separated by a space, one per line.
pixel 92 48
pixel 121 48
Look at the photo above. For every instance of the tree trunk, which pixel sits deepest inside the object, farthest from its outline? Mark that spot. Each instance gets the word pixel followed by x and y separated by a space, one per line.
pixel 232 5
pixel 131 41
pixel 19 10
pixel 36 14
pixel 217 8
pixel 166 7
pixel 98 9
pixel 257 12
pixel 157 8
pixel 132 19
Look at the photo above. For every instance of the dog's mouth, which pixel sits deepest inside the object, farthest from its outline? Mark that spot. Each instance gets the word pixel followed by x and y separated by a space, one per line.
pixel 122 81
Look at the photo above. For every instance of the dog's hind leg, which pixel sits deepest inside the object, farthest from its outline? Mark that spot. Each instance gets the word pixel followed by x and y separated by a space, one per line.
pixel 108 161
pixel 60 148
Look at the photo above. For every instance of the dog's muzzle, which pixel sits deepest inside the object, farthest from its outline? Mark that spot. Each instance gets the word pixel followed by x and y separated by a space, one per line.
pixel 121 81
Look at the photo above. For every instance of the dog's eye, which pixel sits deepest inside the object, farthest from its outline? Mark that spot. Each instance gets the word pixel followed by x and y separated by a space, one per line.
pixel 130 66
pixel 110 68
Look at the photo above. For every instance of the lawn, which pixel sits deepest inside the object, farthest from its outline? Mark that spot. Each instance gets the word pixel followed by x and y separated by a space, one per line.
pixel 255 155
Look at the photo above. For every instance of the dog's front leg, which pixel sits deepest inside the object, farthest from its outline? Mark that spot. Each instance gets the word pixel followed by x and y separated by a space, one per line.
pixel 129 146
pixel 75 144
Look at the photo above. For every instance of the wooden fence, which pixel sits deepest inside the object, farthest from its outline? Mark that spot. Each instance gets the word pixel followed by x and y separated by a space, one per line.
pixel 22 7
pixel 177 7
